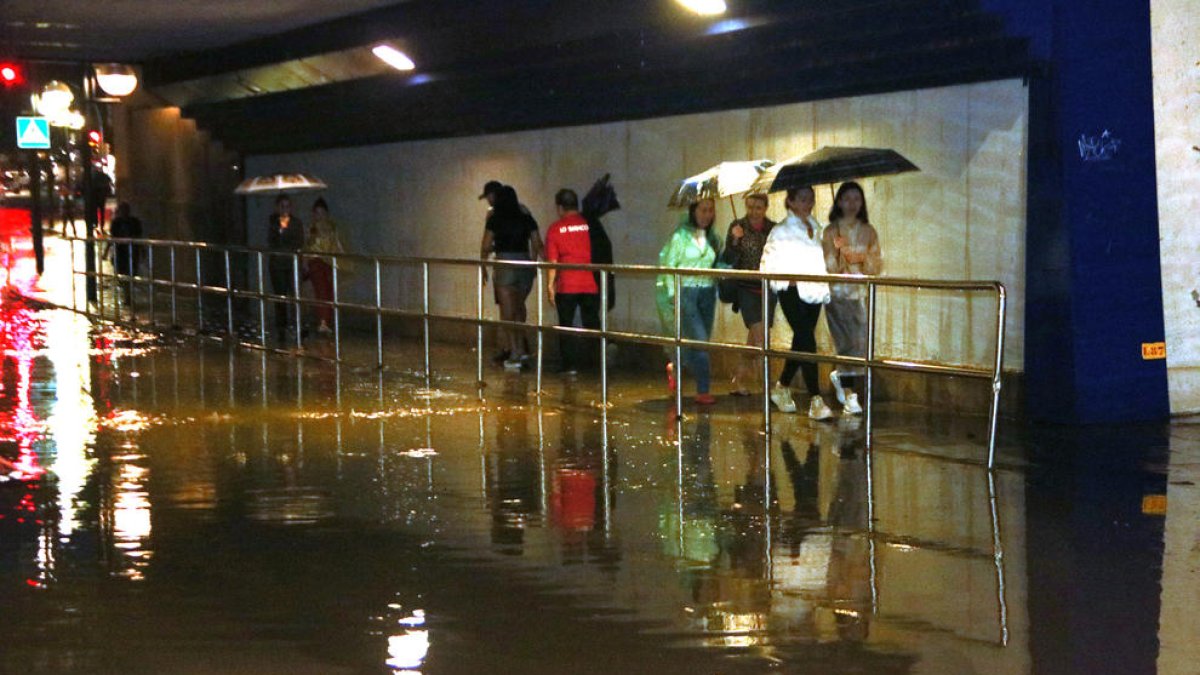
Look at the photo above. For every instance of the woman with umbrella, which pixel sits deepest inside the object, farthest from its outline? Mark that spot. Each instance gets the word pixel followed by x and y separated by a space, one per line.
pixel 743 251
pixel 693 244
pixel 794 247
pixel 285 235
pixel 851 246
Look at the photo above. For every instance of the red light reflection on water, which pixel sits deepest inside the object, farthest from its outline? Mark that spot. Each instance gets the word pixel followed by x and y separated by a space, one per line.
pixel 18 424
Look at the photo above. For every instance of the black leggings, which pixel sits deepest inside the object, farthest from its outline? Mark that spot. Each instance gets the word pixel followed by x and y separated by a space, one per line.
pixel 802 317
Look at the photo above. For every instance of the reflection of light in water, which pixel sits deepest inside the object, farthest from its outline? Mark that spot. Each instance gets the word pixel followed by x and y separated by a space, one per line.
pixel 131 516
pixel 735 629
pixel 72 420
pixel 129 421
pixel 407 650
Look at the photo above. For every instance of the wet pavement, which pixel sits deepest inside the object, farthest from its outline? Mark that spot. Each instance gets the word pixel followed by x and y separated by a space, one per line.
pixel 172 506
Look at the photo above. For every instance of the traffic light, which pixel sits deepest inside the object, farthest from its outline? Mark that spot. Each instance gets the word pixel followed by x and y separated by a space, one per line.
pixel 95 140
pixel 11 74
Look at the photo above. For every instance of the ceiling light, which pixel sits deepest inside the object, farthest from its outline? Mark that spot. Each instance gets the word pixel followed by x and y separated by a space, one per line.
pixel 393 57
pixel 704 7
pixel 116 79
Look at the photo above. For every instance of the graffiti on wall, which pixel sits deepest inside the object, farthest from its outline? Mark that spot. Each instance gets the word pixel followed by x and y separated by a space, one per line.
pixel 1098 148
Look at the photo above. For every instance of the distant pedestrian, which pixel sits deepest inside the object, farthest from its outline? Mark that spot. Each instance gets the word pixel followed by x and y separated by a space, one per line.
pixel 693 244
pixel 571 291
pixel 285 236
pixel 794 247
pixel 126 256
pixel 743 251
pixel 323 238
pixel 851 246
pixel 510 233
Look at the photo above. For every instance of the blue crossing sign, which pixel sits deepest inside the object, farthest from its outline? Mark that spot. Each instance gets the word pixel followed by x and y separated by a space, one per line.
pixel 33 133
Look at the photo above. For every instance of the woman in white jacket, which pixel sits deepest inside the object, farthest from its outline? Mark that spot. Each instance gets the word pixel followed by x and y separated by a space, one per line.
pixel 794 247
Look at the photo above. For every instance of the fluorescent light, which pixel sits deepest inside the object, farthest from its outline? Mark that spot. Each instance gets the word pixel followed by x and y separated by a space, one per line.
pixel 393 57
pixel 704 7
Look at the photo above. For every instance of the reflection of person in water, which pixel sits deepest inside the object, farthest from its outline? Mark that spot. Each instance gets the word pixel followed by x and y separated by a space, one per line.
pixel 850 559
pixel 512 476
pixel 578 498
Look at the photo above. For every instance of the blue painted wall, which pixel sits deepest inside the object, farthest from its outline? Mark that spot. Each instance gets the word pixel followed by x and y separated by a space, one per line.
pixel 1094 284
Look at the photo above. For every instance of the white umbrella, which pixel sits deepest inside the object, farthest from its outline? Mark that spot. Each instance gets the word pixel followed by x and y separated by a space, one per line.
pixel 278 183
pixel 722 180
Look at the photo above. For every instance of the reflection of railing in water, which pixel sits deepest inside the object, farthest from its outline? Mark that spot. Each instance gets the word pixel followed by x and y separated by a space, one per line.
pixel 689 444
pixel 260 257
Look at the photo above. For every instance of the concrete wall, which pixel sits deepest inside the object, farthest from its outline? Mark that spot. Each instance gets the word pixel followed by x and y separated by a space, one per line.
pixel 962 217
pixel 178 180
pixel 1175 24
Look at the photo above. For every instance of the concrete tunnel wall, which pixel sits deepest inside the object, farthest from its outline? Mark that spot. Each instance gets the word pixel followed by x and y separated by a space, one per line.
pixel 961 217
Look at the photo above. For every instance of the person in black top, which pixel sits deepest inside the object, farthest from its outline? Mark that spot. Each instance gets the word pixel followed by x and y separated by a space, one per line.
pixel 511 233
pixel 126 256
pixel 285 235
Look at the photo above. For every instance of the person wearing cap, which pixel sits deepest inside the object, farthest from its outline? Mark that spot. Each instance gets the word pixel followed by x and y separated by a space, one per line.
pixel 510 233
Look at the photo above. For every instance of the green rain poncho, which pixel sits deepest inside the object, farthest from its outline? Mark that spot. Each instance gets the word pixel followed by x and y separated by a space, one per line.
pixel 682 251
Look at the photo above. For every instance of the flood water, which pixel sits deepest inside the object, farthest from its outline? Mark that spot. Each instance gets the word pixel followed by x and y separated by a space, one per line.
pixel 174 507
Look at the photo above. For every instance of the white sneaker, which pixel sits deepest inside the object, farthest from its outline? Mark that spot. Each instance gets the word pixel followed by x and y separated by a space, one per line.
pixel 851 406
pixel 817 410
pixel 781 396
pixel 838 390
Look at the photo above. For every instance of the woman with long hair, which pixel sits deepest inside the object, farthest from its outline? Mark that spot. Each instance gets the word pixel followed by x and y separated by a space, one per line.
pixel 511 234
pixel 794 247
pixel 693 244
pixel 743 251
pixel 851 246
pixel 322 240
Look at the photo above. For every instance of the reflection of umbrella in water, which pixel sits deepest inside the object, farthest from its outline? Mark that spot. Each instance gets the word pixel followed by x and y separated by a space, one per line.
pixel 723 180
pixel 278 183
pixel 831 165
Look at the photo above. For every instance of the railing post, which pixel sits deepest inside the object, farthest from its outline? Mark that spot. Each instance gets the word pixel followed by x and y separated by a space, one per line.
pixel 869 392
pixel 296 298
pixel 479 328
pixel 766 360
pixel 604 340
pixel 262 302
pixel 678 282
pixel 228 298
pixel 174 294
pixel 199 293
pixel 541 351
pixel 151 287
pixel 378 316
pixel 337 322
pixel 74 300
pixel 997 372
pixel 425 320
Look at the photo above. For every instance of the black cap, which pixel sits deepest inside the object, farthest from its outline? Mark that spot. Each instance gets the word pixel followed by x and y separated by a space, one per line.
pixel 491 187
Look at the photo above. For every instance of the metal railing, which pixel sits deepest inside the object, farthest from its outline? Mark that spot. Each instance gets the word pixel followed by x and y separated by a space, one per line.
pixel 262 258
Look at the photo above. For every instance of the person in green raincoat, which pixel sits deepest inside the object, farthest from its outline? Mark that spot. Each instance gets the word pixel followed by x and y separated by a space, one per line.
pixel 692 245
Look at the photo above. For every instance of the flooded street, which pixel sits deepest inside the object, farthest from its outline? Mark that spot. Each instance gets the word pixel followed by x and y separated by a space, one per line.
pixel 173 507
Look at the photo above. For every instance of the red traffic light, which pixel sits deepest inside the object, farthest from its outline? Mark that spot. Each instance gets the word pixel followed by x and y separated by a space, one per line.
pixel 11 74
pixel 94 138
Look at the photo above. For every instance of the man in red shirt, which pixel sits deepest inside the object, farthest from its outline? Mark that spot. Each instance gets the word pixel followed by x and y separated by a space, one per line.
pixel 568 242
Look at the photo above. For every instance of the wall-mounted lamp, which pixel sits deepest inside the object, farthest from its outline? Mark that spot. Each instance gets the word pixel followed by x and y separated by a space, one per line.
pixel 56 99
pixel 393 57
pixel 116 79
pixel 704 7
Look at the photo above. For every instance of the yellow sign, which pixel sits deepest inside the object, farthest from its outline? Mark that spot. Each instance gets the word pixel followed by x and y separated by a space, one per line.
pixel 1152 351
pixel 1154 505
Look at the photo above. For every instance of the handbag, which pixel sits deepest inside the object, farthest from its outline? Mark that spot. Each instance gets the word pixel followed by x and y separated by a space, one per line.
pixel 727 287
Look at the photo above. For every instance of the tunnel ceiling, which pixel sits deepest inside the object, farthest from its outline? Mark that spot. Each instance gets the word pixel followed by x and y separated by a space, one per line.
pixel 498 65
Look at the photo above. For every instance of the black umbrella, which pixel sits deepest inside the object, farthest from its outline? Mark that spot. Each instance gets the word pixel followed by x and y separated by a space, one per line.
pixel 832 165
pixel 601 199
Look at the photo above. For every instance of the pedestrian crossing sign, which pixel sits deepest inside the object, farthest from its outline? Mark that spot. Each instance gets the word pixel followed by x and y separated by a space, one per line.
pixel 33 133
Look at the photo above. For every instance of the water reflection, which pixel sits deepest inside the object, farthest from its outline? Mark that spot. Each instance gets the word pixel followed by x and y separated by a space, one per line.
pixel 342 530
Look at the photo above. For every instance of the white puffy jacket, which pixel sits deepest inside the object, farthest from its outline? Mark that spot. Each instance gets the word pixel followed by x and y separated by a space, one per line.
pixel 789 250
